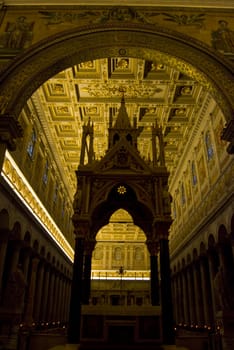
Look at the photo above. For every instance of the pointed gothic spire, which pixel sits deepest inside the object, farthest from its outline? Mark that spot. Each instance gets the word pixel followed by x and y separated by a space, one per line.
pixel 122 128
pixel 122 121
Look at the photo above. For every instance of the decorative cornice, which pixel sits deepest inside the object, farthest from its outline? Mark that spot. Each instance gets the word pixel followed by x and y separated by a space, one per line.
pixel 24 191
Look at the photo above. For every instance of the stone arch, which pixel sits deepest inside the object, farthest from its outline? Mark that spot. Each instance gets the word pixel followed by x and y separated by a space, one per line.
pixel 141 215
pixel 202 249
pixel 16 231
pixel 27 238
pixel 211 242
pixel 222 234
pixel 195 254
pixel 36 245
pixel 45 59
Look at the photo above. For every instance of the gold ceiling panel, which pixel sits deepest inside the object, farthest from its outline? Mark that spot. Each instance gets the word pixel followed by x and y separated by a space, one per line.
pixel 87 70
pixel 56 92
pixel 61 112
pixel 152 90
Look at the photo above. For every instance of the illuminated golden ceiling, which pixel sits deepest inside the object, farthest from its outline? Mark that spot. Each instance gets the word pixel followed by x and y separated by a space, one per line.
pixel 93 89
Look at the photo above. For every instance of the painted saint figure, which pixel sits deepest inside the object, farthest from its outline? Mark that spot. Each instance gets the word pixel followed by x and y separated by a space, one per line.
pixel 223 38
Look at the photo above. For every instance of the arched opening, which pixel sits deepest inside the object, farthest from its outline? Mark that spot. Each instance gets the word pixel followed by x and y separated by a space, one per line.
pixel 120 263
pixel 86 45
pixel 122 196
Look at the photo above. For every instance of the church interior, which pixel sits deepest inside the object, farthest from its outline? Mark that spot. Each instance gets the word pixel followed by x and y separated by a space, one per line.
pixel 116 186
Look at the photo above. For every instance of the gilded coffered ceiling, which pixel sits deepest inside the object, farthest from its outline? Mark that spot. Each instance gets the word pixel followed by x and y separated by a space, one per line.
pixel 153 92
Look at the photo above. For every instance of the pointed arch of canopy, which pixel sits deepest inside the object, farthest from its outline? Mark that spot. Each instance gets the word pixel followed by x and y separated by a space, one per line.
pixel 141 214
pixel 45 59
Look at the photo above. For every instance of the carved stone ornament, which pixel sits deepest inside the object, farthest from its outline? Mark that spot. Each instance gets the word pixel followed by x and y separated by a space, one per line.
pixel 10 129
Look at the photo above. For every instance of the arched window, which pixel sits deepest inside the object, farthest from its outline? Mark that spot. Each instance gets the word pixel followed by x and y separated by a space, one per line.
pixel 118 253
pixel 209 146
pixel 46 171
pixel 63 208
pixel 138 254
pixel 194 174
pixel 183 199
pixel 31 144
pixel 55 193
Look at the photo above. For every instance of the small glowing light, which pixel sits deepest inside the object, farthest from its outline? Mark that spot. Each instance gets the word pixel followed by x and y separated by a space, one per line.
pixel 121 189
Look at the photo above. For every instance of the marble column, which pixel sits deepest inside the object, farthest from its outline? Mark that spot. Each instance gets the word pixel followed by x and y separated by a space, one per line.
pixel 4 234
pixel 154 279
pixel 176 302
pixel 76 293
pixel 68 291
pixel 26 256
pixel 191 295
pixel 59 298
pixel 212 290
pixel 204 284
pixel 166 297
pixel 15 246
pixel 55 296
pixel 38 294
pixel 185 297
pixel 43 311
pixel 180 297
pixel 88 250
pixel 28 317
pixel 198 293
pixel 173 292
pixel 51 295
pixel 64 300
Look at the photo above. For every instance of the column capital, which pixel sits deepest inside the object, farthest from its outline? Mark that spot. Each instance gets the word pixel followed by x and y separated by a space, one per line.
pixel 153 246
pixel 161 228
pixel 81 227
pixel 10 129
